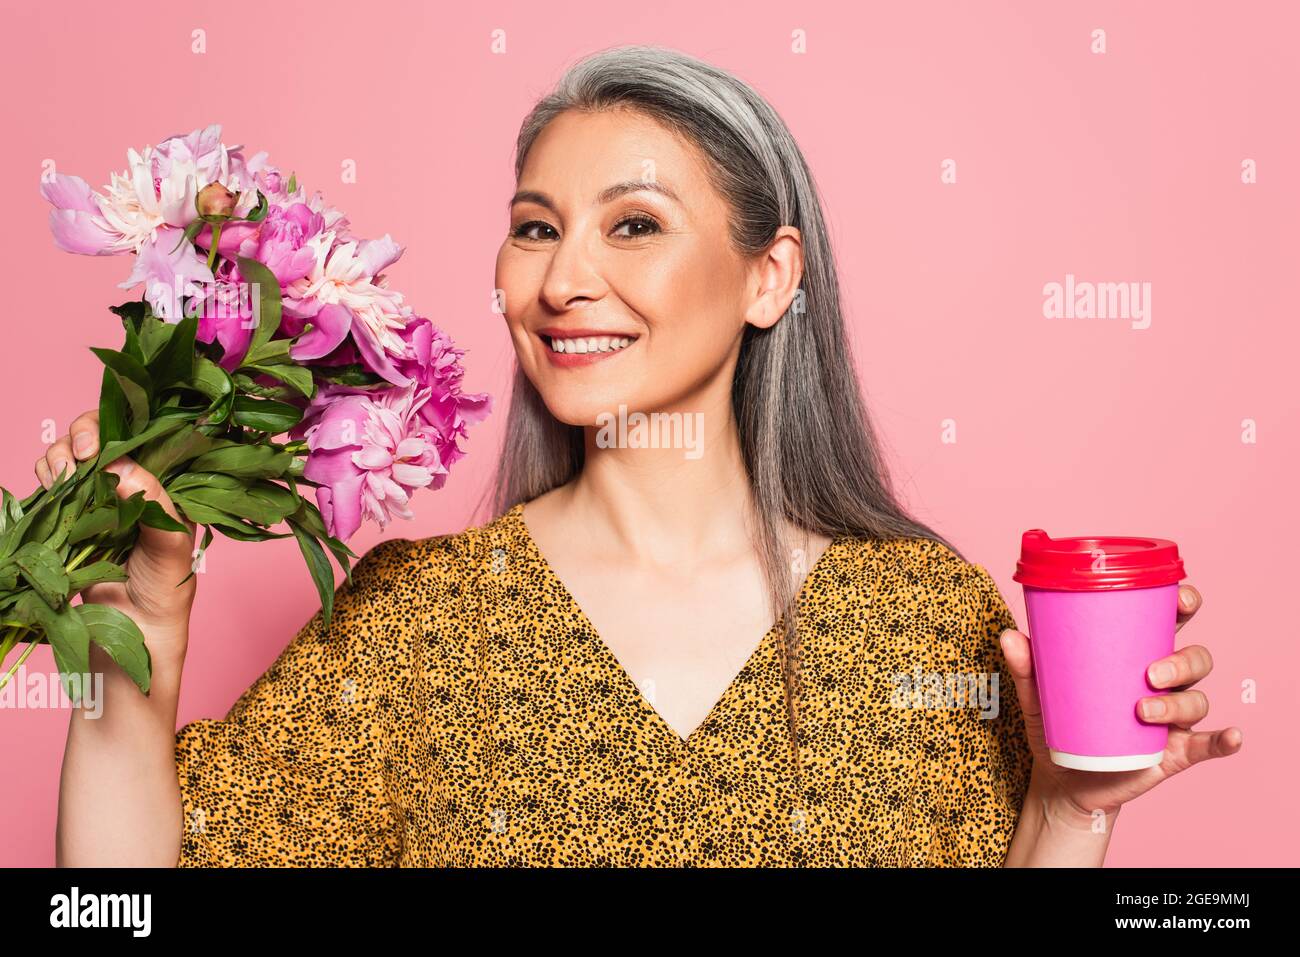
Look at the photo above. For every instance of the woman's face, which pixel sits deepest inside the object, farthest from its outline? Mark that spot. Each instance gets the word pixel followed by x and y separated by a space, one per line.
pixel 617 236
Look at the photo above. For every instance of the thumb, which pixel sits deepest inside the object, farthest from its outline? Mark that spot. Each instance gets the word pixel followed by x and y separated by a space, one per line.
pixel 1020 660
pixel 131 478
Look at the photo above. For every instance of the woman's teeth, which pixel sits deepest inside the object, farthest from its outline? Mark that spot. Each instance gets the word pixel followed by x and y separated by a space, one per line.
pixel 591 344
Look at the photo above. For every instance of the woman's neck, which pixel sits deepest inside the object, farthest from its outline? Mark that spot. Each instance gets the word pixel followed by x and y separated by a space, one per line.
pixel 660 489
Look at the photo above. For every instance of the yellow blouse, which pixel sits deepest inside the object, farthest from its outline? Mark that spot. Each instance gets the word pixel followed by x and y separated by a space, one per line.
pixel 462 711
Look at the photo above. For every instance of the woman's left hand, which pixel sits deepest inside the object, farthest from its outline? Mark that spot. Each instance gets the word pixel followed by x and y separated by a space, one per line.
pixel 1087 792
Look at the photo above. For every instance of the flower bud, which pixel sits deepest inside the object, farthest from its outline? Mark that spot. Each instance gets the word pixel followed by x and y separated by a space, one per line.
pixel 215 200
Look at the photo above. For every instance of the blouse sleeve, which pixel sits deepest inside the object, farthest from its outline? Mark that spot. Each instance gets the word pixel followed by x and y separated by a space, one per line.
pixel 297 773
pixel 983 745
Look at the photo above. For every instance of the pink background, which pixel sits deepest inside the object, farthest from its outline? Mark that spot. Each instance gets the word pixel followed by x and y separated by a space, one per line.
pixel 1116 167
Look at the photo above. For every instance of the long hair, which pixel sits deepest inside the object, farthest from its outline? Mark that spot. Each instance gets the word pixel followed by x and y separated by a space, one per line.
pixel 809 446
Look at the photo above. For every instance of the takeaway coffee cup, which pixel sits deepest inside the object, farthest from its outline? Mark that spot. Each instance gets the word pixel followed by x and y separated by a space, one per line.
pixel 1100 611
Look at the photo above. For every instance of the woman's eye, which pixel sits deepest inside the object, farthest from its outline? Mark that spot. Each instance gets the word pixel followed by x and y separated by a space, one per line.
pixel 523 230
pixel 637 227
pixel 645 225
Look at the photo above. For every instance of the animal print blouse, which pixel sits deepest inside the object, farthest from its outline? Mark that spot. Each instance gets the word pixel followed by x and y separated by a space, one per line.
pixel 462 711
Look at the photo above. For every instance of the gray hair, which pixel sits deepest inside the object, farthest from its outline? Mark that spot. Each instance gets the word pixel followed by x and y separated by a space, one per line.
pixel 809 445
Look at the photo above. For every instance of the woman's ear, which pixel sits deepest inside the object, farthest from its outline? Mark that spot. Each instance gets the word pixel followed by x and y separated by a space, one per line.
pixel 775 279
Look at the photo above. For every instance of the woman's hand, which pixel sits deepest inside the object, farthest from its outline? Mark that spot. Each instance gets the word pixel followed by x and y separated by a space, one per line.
pixel 1080 794
pixel 159 559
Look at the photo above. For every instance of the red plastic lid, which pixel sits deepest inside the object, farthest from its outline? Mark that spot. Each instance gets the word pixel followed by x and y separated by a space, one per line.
pixel 1096 563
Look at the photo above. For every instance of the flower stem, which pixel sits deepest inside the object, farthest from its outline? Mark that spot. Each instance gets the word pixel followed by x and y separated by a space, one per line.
pixel 31 646
pixel 216 238
pixel 80 558
pixel 10 640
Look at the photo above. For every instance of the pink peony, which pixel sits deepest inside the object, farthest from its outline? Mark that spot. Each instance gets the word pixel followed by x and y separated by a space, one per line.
pixel 368 447
pixel 171 272
pixel 434 363
pixel 369 452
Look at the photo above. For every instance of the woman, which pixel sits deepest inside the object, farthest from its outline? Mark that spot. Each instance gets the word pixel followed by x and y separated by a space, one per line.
pixel 680 640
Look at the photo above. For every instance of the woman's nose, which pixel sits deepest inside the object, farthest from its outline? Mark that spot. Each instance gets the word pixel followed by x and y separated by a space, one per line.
pixel 573 273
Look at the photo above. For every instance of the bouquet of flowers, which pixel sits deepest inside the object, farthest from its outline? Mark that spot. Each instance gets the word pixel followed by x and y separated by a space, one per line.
pixel 261 317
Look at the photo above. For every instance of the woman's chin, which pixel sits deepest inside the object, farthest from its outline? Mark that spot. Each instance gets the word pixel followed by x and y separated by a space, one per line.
pixel 585 412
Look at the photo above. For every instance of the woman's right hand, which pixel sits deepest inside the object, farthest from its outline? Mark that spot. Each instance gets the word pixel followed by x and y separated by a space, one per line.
pixel 159 559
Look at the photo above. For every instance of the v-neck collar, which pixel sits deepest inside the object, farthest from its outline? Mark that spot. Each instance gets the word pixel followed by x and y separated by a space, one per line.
pixel 620 674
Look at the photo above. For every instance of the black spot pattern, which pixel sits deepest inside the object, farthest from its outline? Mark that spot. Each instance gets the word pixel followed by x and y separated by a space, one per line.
pixel 462 712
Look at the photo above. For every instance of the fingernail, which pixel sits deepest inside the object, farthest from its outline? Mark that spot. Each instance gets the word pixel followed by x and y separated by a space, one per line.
pixel 1153 708
pixel 122 467
pixel 58 468
pixel 1161 675
pixel 1188 598
pixel 82 443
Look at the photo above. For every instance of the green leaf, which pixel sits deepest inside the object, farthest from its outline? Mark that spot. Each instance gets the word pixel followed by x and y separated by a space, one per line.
pixel 249 461
pixel 112 451
pixel 201 513
pixel 131 346
pixel 155 516
pixel 34 511
pixel 191 231
pixel 243 532
pixel 321 572
pixel 96 521
pixel 232 526
pixel 106 490
pixel 248 386
pixel 131 313
pixel 293 183
pixel 309 517
pixel 210 379
pixel 259 213
pixel 354 374
pixel 255 505
pixel 175 361
pixel 214 382
pixel 114 411
pixel 41 569
pixel 133 381
pixel 275 497
pixel 265 415
pixel 120 637
pixel 298 377
pixel 126 367
pixel 274 352
pixel 267 309
pixel 129 511
pixel 70 507
pixel 11 510
pixel 180 446
pixel 41 521
pixel 93 574
pixel 69 639
pixel 154 335
pixel 197 480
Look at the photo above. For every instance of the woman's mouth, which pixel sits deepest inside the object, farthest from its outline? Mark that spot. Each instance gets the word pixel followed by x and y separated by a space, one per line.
pixel 582 347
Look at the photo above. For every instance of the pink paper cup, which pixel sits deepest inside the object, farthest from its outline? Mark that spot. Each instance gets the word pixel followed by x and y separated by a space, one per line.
pixel 1101 610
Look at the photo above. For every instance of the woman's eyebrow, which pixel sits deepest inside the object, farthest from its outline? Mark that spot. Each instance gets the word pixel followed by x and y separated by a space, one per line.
pixel 606 195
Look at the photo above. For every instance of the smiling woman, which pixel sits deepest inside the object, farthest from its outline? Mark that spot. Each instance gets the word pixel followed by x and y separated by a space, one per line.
pixel 663 203
pixel 648 657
